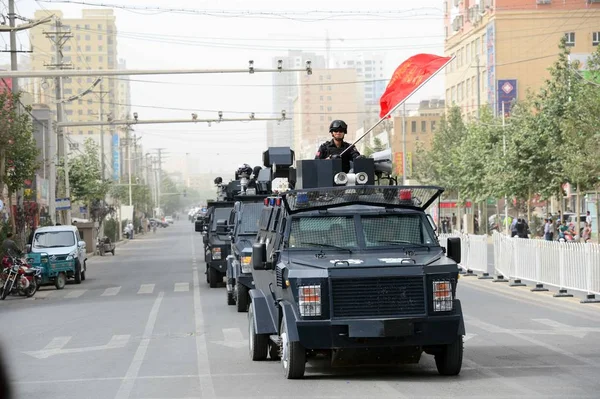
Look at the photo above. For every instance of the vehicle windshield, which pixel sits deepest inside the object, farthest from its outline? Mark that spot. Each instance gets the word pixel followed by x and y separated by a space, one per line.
pixel 54 239
pixel 250 218
pixel 340 232
pixel 383 230
pixel 319 231
pixel 220 213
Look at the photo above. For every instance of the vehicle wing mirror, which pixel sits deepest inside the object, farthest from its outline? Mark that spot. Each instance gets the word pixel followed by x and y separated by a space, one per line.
pixel 453 249
pixel 198 226
pixel 259 256
pixel 81 244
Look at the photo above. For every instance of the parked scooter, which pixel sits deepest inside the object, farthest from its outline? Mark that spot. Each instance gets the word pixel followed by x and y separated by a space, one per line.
pixel 17 277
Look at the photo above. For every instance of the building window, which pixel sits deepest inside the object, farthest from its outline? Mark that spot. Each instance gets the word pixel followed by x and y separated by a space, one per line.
pixel 80 102
pixel 89 112
pixel 99 26
pixel 570 36
pixel 468 89
pixel 482 44
pixel 90 132
pixel 79 112
pixel 473 86
pixel 89 101
pixel 447 96
pixel 100 58
pixel 413 126
pixel 81 132
pixel 459 92
pixel 87 26
pixel 67 48
pixel 595 38
pixel 320 77
pixel 329 88
pixel 100 37
pixel 88 37
pixel 468 52
pixel 70 112
pixel 321 108
pixel 321 98
pixel 328 98
pixel 476 46
pixel 77 37
pixel 329 109
pixel 330 118
pixel 453 96
pixel 89 80
pixel 88 58
pixel 423 126
pixel 88 48
pixel 328 77
pixel 321 87
pixel 432 126
pixel 322 118
pixel 101 48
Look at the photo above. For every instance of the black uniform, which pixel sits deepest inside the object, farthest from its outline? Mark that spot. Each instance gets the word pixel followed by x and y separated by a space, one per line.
pixel 329 148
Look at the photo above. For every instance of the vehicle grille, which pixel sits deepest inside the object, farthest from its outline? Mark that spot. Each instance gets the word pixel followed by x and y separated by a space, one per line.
pixel 378 297
pixel 279 275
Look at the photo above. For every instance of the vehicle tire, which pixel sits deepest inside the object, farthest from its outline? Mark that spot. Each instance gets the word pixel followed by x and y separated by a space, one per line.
pixel 207 276
pixel 230 298
pixel 258 343
pixel 77 274
pixel 84 270
pixel 102 251
pixel 60 281
pixel 213 277
pixel 293 356
pixel 449 360
pixel 113 252
pixel 242 299
pixel 32 289
pixel 3 292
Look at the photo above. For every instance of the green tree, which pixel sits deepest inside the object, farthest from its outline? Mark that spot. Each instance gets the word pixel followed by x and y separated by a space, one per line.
pixel 171 196
pixel 141 195
pixel 377 146
pixel 85 177
pixel 18 153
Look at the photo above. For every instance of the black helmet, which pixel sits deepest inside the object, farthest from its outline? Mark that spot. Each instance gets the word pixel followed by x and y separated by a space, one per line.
pixel 338 125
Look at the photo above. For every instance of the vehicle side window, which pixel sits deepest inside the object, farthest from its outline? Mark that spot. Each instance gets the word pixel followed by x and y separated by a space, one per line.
pixel 77 236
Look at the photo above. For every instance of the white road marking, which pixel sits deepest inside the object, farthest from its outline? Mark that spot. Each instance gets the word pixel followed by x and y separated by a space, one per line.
pixel 232 338
pixel 182 287
pixel 44 294
pixel 510 382
pixel 207 388
pixel 521 335
pixel 111 291
pixel 75 293
pixel 134 368
pixel 55 348
pixel 146 289
pixel 578 332
pixel 468 336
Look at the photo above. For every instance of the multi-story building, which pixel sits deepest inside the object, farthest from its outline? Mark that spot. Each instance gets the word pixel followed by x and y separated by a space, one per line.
pixel 320 100
pixel 285 90
pixel 420 126
pixel 92 45
pixel 503 48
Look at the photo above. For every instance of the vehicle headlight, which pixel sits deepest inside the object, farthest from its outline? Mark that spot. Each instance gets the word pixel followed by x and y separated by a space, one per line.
pixel 442 296
pixel 246 263
pixel 309 300
pixel 216 253
pixel 71 256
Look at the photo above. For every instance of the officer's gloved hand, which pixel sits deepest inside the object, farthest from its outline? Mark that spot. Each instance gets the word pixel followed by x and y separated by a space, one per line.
pixel 335 156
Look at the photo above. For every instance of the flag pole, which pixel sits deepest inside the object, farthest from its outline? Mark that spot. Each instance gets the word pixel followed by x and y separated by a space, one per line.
pixel 398 105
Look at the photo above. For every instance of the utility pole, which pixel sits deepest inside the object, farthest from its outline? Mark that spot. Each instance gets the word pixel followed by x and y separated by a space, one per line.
pixel 404 144
pixel 15 90
pixel 159 180
pixel 504 151
pixel 59 38
pixel 102 93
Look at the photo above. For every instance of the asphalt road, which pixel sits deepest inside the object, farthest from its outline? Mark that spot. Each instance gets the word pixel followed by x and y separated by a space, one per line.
pixel 145 325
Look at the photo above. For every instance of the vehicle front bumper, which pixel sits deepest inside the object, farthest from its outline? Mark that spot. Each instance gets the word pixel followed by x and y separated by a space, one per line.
pixel 370 333
pixel 220 265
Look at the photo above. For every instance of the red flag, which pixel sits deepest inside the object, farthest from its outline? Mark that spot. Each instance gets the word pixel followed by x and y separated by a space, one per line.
pixel 408 77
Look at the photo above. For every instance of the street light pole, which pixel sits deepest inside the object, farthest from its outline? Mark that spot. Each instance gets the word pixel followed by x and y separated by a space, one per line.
pixel 504 151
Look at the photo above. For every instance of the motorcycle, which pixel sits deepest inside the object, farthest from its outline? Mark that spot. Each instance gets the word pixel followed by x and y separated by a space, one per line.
pixel 17 277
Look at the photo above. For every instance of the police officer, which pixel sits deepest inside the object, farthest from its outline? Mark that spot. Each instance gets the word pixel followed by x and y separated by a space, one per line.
pixel 333 148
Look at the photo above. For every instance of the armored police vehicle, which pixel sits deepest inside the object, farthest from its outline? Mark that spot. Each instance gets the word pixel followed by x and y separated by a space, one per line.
pixel 354 272
pixel 243 226
pixel 249 184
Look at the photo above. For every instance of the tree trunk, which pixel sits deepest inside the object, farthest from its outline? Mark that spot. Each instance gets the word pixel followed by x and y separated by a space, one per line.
pixel 458 211
pixel 529 221
pixel 2 170
pixel 12 214
pixel 597 217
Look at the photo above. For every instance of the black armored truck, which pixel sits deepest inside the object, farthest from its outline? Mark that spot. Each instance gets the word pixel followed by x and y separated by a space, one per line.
pixel 353 271
pixel 244 218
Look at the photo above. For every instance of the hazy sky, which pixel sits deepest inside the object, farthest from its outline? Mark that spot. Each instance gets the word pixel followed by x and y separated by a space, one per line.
pixel 226 34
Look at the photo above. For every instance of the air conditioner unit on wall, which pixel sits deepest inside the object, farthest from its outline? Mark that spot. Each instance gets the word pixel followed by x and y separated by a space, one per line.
pixel 544 1
pixel 457 2
pixel 593 1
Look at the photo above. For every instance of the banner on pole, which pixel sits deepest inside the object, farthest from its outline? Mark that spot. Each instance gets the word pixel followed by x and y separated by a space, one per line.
pixel 407 79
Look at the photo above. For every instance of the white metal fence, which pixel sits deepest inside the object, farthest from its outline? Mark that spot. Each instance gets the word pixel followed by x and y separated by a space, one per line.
pixel 574 266
pixel 474 251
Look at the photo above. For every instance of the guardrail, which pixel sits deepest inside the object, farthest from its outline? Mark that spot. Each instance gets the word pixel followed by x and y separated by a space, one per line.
pixel 474 253
pixel 564 265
